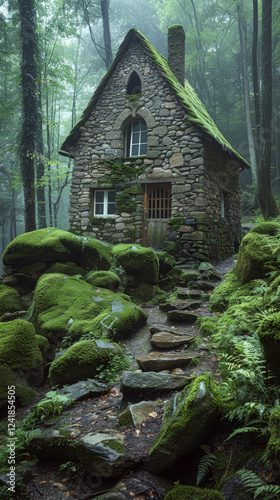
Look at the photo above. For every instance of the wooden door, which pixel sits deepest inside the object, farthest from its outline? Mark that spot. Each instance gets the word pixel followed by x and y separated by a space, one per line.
pixel 157 211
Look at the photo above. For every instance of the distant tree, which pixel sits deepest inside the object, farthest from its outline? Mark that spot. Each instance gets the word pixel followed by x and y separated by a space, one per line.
pixel 29 109
pixel 266 199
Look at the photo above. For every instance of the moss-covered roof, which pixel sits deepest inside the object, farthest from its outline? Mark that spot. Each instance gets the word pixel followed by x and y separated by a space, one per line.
pixel 196 111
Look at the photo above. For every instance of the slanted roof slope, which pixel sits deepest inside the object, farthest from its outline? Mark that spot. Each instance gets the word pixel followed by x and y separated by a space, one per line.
pixel 196 111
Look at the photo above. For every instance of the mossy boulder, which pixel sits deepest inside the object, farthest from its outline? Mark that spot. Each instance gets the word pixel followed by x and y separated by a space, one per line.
pixel 188 419
pixel 10 300
pixel 166 262
pixel 193 493
pixel 65 305
pixel 19 350
pixel 82 361
pixel 138 261
pixel 69 268
pixel 269 335
pixel 104 279
pixel 257 256
pixel 269 228
pixel 55 245
pixel 273 446
pixel 23 394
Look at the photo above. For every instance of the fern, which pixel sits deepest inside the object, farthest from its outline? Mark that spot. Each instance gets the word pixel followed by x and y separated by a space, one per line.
pixel 203 467
pixel 254 485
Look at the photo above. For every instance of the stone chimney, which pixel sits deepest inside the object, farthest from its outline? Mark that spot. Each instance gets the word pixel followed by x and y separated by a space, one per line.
pixel 176 51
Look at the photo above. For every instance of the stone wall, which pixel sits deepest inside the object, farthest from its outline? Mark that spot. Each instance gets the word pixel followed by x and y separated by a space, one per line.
pixel 177 153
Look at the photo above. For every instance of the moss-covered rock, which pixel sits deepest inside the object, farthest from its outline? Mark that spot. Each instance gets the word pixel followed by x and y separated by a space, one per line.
pixel 269 335
pixel 104 279
pixel 193 493
pixel 269 228
pixel 23 394
pixel 66 305
pixel 54 245
pixel 69 268
pixel 10 300
pixel 188 419
pixel 257 256
pixel 166 262
pixel 138 261
pixel 82 361
pixel 19 349
pixel 273 446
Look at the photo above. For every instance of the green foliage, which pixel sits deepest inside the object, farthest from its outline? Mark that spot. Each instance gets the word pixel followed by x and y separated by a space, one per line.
pixel 110 371
pixel 254 485
pixel 193 493
pixel 52 405
pixel 204 465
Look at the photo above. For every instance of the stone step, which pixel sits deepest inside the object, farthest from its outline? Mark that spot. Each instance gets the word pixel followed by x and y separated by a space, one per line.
pixel 187 293
pixel 182 316
pixel 157 361
pixel 181 305
pixel 135 383
pixel 166 340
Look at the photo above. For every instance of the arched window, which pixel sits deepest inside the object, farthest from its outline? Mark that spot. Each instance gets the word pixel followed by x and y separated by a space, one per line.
pixel 134 84
pixel 136 139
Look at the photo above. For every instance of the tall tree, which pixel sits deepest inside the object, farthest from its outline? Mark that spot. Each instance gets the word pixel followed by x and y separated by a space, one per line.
pixel 266 199
pixel 30 109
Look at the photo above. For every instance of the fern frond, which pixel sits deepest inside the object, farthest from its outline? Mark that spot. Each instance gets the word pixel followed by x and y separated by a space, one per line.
pixel 203 467
pixel 250 481
pixel 268 491
pixel 242 430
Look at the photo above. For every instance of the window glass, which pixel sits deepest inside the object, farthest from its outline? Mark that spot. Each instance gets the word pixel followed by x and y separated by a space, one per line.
pixel 136 138
pixel 105 203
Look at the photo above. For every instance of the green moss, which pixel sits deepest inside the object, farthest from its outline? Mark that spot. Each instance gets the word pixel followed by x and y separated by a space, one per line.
pixel 221 295
pixel 43 344
pixel 10 300
pixel 18 345
pixel 55 245
pixel 80 362
pixel 124 203
pixel 69 268
pixel 188 277
pixel 175 223
pixel 103 279
pixel 208 326
pixel 24 395
pixel 269 228
pixel 145 292
pixel 133 97
pixel 269 328
pixel 66 305
pixel 273 446
pixel 138 261
pixel 188 418
pixel 256 256
pixel 193 493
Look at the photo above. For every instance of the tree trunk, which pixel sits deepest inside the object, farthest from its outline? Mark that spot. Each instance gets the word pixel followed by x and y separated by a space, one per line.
pixel 255 69
pixel 30 109
pixel 266 199
pixel 243 43
pixel 40 167
pixel 106 32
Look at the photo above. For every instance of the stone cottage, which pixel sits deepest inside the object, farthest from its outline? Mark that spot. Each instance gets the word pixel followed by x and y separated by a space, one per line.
pixel 150 165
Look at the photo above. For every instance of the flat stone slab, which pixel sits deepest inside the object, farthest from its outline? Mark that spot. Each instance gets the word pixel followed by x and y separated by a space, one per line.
pixel 85 389
pixel 156 361
pixel 137 413
pixel 133 383
pixel 205 286
pixel 186 293
pixel 182 316
pixel 181 305
pixel 166 340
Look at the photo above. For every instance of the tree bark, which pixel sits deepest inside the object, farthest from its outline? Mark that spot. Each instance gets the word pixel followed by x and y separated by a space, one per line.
pixel 255 69
pixel 266 199
pixel 30 109
pixel 246 90
pixel 106 32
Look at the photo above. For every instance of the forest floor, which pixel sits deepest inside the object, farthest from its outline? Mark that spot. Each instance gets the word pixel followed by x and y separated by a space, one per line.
pixel 51 480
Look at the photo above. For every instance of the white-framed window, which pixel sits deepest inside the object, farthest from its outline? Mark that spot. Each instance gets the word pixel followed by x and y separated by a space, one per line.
pixel 136 139
pixel 104 203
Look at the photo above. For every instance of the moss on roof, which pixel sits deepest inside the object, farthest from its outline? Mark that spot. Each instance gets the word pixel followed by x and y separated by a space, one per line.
pixel 196 111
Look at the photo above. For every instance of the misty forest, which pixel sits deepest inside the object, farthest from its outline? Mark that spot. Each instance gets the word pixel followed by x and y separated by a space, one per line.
pixel 140 244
